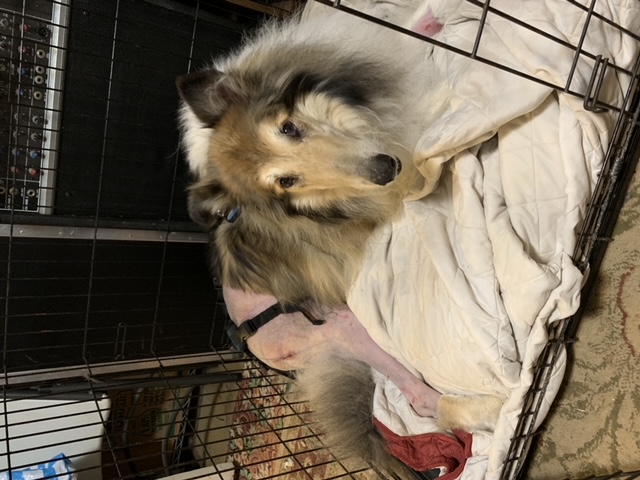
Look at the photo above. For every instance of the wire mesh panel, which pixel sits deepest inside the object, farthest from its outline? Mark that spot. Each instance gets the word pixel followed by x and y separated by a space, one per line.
pixel 227 419
pixel 580 52
pixel 72 302
pixel 99 259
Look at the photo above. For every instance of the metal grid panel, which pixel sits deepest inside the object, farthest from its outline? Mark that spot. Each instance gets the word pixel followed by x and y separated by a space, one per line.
pixel 106 265
pixel 162 418
pixel 75 302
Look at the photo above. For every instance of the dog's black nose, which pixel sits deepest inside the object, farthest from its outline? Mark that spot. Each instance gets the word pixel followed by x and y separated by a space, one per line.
pixel 384 168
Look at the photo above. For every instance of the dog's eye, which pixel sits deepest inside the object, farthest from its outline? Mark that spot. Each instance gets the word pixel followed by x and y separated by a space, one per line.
pixel 287 182
pixel 290 129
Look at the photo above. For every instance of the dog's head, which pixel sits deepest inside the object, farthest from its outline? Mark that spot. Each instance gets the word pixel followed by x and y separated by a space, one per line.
pixel 309 141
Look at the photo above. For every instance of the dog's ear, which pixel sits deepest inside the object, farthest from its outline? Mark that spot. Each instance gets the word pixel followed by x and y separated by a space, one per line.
pixel 208 93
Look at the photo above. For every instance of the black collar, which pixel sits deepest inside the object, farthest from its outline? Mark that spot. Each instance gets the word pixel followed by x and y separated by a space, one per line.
pixel 239 334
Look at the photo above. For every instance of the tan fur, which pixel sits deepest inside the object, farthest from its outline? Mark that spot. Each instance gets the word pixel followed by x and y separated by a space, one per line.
pixel 323 251
pixel 350 90
pixel 469 412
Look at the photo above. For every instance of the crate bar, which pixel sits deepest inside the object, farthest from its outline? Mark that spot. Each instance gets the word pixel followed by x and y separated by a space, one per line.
pixel 49 375
pixel 99 233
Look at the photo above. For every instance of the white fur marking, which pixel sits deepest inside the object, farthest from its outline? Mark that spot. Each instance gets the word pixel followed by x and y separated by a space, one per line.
pixel 195 138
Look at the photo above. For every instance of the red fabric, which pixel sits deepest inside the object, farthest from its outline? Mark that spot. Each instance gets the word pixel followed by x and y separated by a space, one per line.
pixel 429 450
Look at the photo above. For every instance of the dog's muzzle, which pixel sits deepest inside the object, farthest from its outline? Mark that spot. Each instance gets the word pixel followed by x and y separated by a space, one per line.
pixel 383 168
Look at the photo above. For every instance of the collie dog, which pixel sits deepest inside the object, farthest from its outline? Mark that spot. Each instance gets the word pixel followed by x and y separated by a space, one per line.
pixel 301 143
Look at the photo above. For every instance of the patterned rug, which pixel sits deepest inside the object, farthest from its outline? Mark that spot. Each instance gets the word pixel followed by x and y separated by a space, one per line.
pixel 594 427
pixel 272 434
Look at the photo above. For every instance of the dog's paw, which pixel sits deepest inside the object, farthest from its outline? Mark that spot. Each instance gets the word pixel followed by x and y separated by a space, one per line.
pixel 468 412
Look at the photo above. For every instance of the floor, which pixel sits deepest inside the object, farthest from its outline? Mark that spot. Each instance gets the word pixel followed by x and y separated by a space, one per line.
pixel 594 427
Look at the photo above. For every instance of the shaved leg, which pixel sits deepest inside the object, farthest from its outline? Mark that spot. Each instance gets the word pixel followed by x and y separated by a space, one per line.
pixel 354 340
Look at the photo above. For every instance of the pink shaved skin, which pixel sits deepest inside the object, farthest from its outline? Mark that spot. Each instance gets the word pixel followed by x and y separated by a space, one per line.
pixel 427 25
pixel 291 342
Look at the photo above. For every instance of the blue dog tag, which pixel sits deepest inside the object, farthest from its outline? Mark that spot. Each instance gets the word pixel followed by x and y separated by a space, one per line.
pixel 233 215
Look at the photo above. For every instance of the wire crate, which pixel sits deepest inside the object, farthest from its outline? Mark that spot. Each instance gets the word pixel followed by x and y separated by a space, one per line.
pixel 114 350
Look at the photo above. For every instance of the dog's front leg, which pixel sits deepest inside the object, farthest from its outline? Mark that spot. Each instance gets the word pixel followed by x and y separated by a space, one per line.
pixel 353 341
